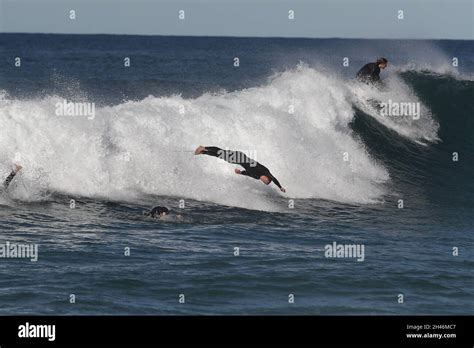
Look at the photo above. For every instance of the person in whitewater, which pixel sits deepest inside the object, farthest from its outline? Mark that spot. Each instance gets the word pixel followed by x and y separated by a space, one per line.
pixel 370 73
pixel 161 213
pixel 10 177
pixel 252 168
pixel 158 212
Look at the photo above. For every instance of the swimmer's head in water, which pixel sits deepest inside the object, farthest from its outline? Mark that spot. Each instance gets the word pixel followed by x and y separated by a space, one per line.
pixel 382 62
pixel 158 212
pixel 265 179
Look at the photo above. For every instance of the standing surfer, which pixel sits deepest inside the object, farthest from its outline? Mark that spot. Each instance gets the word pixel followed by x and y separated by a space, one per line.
pixel 370 72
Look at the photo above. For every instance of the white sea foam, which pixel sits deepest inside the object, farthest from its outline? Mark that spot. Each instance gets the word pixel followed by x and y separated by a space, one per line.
pixel 145 146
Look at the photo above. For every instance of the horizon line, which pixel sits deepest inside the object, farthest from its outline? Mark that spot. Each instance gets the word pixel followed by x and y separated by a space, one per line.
pixel 236 37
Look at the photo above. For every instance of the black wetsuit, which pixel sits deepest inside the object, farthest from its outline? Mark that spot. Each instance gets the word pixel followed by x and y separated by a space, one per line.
pixel 7 181
pixel 369 73
pixel 252 168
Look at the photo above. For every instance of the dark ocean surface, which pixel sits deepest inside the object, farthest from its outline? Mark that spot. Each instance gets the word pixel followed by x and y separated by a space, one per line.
pixel 346 170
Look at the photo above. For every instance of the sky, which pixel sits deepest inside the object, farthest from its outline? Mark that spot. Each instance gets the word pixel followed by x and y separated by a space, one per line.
pixel 423 19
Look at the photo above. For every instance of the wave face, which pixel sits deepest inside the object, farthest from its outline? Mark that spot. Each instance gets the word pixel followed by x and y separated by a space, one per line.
pixel 146 146
pixel 298 123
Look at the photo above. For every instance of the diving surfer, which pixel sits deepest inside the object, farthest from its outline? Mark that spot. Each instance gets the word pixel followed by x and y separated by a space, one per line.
pixel 10 177
pixel 252 168
pixel 370 72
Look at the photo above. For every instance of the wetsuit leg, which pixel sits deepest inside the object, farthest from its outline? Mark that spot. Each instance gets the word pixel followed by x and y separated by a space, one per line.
pixel 226 155
pixel 213 151
pixel 234 157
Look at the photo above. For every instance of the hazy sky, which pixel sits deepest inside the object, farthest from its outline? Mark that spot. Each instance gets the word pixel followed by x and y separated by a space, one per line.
pixel 423 19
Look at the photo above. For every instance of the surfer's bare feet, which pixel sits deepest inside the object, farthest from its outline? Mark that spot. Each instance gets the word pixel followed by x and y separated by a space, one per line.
pixel 199 150
pixel 237 171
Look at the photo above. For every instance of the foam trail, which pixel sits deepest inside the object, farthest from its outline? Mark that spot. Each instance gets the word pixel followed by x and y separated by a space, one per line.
pixel 418 128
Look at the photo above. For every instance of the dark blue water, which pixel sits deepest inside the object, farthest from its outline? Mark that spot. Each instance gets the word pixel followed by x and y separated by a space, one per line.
pixel 408 251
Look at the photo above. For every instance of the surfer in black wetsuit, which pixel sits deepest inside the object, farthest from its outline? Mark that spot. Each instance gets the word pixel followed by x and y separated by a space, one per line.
pixel 252 168
pixel 163 213
pixel 158 212
pixel 370 72
pixel 10 177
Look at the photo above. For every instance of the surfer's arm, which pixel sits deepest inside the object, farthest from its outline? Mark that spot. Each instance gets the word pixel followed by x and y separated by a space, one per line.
pixel 8 180
pixel 10 177
pixel 277 183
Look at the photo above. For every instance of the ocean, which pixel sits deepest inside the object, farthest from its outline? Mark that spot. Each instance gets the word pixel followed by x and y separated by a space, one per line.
pixel 401 187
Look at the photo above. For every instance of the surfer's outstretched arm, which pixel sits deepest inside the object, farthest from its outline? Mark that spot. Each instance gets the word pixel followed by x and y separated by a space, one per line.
pixel 267 178
pixel 10 177
pixel 277 183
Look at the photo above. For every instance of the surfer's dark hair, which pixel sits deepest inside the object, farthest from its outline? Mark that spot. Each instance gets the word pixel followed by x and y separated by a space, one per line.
pixel 382 60
pixel 157 211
